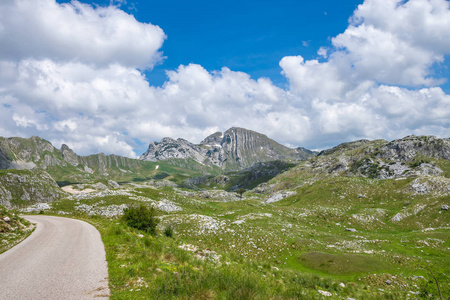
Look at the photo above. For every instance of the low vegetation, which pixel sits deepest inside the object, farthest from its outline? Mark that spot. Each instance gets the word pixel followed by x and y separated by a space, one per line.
pixel 351 223
pixel 335 235
pixel 13 229
pixel 141 217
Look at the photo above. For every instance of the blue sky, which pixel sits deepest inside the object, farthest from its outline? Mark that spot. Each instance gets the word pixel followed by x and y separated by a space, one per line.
pixel 111 76
pixel 249 36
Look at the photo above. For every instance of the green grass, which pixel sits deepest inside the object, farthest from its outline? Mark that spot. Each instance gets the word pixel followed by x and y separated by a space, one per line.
pixel 289 249
pixel 13 231
pixel 341 264
pixel 285 250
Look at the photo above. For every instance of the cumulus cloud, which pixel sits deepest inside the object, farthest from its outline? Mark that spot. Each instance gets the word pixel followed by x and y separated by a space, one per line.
pixel 355 92
pixel 76 80
pixel 74 31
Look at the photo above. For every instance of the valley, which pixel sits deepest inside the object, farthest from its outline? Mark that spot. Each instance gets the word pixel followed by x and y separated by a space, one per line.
pixel 363 220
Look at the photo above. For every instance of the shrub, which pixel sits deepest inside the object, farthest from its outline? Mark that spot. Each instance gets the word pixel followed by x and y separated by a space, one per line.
pixel 240 192
pixel 142 218
pixel 168 231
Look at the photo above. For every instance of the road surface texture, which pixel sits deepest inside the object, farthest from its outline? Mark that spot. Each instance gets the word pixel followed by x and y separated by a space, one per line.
pixel 62 259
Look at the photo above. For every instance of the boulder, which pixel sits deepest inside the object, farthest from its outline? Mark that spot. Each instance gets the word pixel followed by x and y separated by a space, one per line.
pixel 279 196
pixel 113 184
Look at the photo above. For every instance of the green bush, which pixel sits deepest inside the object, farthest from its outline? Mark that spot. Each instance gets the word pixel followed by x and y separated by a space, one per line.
pixel 168 231
pixel 142 218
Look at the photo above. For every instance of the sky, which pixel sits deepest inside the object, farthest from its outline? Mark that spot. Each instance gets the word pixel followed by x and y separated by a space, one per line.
pixel 112 76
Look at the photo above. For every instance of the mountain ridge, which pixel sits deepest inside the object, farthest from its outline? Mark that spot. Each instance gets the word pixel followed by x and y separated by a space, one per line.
pixel 235 149
pixel 65 166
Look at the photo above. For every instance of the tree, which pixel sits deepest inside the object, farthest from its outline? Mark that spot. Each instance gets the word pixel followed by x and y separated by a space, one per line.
pixel 240 192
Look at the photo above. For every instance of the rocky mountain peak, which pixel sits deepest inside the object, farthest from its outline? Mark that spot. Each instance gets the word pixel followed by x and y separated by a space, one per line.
pixel 235 149
pixel 69 155
pixel 411 146
pixel 213 139
pixel 171 148
pixel 407 157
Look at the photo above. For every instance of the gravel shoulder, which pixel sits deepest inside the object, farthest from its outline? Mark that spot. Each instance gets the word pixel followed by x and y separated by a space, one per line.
pixel 62 259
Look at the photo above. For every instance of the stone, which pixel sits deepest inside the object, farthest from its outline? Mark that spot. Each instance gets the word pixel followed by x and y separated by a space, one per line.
pixel 325 293
pixel 350 229
pixel 36 208
pixel 279 196
pixel 113 184
pixel 398 217
pixel 166 205
pixel 444 207
pixel 388 282
pixel 7 219
pixel 99 186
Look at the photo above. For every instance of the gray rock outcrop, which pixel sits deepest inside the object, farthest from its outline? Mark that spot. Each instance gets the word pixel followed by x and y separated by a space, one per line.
pixel 28 186
pixel 279 196
pixel 68 155
pixel 235 149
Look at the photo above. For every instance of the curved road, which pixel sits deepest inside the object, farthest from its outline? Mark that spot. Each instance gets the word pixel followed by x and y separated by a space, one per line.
pixel 62 259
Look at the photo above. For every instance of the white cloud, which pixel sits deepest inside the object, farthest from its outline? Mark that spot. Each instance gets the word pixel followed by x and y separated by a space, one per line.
pixel 311 79
pixel 386 58
pixel 422 23
pixel 74 31
pixel 354 94
pixel 396 41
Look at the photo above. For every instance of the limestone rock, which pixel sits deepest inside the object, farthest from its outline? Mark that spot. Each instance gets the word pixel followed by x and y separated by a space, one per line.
pixel 166 205
pixel 36 208
pixel 279 196
pixel 113 184
pixel 99 186
pixel 235 149
pixel 69 156
pixel 32 186
pixel 325 293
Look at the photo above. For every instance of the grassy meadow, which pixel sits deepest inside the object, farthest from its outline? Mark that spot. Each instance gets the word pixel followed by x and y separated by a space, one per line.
pixel 334 238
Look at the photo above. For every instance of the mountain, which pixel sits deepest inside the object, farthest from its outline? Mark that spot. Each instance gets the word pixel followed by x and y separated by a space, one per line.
pixel 235 149
pixel 243 179
pixel 65 166
pixel 25 187
pixel 423 161
pixel 409 156
pixel 355 222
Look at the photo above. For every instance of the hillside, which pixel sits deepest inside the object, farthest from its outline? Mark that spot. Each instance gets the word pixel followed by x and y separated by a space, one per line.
pixel 66 167
pixel 246 179
pixel 235 149
pixel 19 188
pixel 363 220
pixel 13 229
pixel 410 157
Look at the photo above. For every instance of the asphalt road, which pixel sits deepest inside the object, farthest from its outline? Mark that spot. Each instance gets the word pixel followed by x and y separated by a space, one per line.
pixel 62 259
